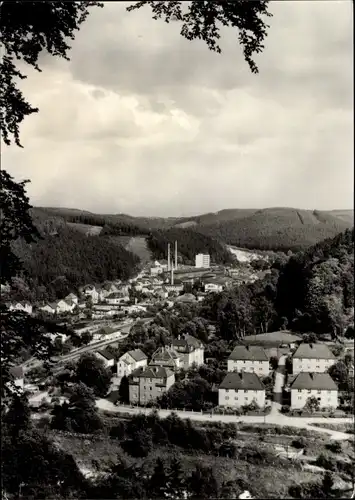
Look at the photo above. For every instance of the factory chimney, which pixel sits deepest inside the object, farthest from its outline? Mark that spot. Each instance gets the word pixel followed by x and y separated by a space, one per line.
pixel 176 264
pixel 169 263
pixel 172 275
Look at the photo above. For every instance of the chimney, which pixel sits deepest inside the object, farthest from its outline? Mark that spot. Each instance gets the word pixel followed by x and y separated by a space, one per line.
pixel 176 264
pixel 169 264
pixel 172 275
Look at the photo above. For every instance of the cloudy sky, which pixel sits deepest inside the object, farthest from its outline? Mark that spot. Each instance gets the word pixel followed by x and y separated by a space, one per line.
pixel 142 121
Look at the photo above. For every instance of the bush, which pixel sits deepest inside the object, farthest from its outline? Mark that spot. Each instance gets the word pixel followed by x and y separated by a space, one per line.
pixel 325 462
pixel 334 447
pixel 285 409
pixel 300 443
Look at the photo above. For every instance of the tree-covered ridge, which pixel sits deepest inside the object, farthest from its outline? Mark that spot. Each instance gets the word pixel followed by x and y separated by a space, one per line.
pixel 62 261
pixel 277 229
pixel 313 291
pixel 190 243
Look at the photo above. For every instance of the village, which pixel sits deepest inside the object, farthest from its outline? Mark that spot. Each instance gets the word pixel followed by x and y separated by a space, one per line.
pixel 273 372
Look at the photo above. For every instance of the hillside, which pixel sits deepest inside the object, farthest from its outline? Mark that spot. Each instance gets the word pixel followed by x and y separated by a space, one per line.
pixel 190 243
pixel 312 292
pixel 277 229
pixel 265 229
pixel 65 259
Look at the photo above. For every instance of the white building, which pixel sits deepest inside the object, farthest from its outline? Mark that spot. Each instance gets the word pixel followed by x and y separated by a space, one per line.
pixel 315 358
pixel 202 260
pixel 105 356
pixel 240 389
pixel 252 359
pixel 190 349
pixel 90 291
pixel 130 361
pixel 72 297
pixel 21 306
pixel 18 376
pixel 318 385
pixel 213 287
pixel 116 299
pixel 64 306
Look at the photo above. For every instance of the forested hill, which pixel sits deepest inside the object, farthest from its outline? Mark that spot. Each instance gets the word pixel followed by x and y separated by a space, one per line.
pixel 266 229
pixel 66 259
pixel 190 243
pixel 312 292
pixel 277 229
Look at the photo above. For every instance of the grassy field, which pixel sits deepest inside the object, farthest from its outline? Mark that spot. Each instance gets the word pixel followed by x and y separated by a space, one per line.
pixel 338 427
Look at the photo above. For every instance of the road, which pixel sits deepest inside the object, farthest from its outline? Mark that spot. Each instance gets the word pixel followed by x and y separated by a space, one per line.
pixel 278 419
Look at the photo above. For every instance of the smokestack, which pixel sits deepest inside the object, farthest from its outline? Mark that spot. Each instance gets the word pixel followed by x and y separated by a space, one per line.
pixel 172 275
pixel 176 264
pixel 169 264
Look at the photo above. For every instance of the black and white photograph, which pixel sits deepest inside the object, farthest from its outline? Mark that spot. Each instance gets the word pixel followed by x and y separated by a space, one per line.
pixel 177 250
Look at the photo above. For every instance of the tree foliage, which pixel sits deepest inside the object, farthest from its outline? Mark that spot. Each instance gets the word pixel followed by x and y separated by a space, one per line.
pixel 203 21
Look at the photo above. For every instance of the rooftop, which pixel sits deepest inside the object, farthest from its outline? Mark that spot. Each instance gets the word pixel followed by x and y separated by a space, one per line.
pixel 242 381
pixel 187 341
pixel 106 354
pixel 250 353
pixel 152 372
pixel 317 381
pixel 137 355
pixel 314 351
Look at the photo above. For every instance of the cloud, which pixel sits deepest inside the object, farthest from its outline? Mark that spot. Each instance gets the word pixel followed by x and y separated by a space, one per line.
pixel 143 121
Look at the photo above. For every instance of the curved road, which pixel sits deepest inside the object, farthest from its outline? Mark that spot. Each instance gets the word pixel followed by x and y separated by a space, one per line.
pixel 274 419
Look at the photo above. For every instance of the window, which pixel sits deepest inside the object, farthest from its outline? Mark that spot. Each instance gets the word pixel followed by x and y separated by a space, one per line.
pixel 309 391
pixel 319 392
pixel 329 392
pixel 299 398
pixel 299 390
pixel 227 397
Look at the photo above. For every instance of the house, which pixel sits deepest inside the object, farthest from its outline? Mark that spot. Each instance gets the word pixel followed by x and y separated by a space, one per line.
pixel 64 306
pixel 116 298
pixel 90 291
pixel 149 383
pixel 130 361
pixel 109 288
pixel 21 306
pixel 191 350
pixel 187 298
pixel 167 357
pixel 18 376
pixel 319 385
pixel 241 388
pixel 50 308
pixel 72 297
pixel 107 358
pixel 162 292
pixel 351 370
pixel 252 359
pixel 212 287
pixel 315 358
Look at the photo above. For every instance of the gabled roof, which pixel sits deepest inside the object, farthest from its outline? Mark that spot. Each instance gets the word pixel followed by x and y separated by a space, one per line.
pixel 242 381
pixel 137 355
pixel 166 355
pixel 71 296
pixel 187 341
pixel 152 372
pixel 280 337
pixel 17 372
pixel 317 381
pixel 106 354
pixel 248 353
pixel 313 351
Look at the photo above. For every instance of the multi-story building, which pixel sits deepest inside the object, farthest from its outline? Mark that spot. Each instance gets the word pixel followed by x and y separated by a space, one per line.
pixel 241 389
pixel 20 306
pixel 149 383
pixel 167 357
pixel 130 361
pixel 190 349
pixel 315 358
pixel 252 359
pixel 202 260
pixel 318 385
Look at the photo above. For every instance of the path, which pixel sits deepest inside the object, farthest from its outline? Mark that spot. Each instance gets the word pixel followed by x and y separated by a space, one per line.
pixel 278 386
pixel 278 419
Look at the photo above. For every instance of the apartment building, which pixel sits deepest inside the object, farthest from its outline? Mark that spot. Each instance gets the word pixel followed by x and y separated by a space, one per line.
pixel 241 388
pixel 191 350
pixel 318 385
pixel 149 383
pixel 202 261
pixel 252 359
pixel 315 358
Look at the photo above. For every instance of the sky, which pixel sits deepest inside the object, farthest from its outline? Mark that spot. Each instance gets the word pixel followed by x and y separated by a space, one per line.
pixel 144 122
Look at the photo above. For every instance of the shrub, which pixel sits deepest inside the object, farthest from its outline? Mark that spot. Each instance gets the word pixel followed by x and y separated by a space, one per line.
pixel 334 447
pixel 285 409
pixel 300 443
